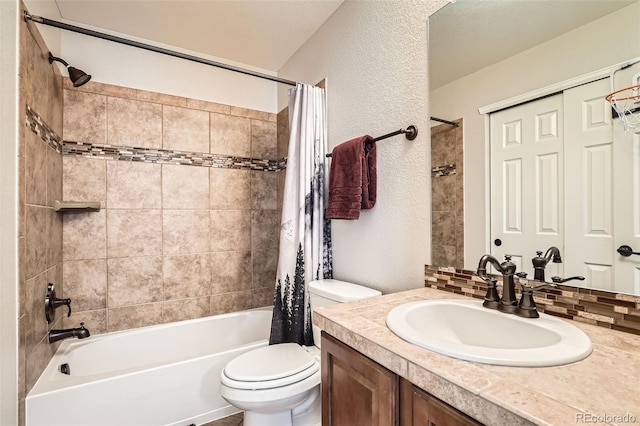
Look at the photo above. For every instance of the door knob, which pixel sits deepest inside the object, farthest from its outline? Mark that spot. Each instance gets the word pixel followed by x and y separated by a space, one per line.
pixel 626 251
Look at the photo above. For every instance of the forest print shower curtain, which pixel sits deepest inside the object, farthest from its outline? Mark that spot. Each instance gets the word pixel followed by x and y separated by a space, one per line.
pixel 305 235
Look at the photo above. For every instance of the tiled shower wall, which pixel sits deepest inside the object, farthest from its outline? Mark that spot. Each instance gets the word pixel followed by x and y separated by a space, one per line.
pixel 447 197
pixel 171 242
pixel 39 228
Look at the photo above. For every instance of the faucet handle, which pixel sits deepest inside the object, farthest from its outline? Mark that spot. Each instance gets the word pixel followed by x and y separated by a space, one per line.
pixel 559 280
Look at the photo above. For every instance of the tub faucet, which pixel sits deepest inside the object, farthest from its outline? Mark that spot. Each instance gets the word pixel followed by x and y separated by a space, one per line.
pixel 540 262
pixel 508 301
pixel 80 333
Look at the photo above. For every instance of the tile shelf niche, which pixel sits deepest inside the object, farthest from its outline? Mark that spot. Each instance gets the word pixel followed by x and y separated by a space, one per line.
pixel 76 206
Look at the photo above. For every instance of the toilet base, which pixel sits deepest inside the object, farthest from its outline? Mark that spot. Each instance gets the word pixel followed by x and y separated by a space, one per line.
pixel 308 413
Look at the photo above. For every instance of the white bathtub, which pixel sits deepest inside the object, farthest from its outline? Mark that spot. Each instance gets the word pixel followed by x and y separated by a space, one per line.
pixel 159 375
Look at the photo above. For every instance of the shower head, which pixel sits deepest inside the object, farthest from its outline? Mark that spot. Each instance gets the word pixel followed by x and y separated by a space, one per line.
pixel 77 77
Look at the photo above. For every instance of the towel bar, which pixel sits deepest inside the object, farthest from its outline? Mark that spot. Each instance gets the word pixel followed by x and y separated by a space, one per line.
pixel 410 132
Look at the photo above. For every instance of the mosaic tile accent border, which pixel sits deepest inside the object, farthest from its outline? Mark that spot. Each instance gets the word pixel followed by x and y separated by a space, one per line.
pixel 166 156
pixel 449 169
pixel 602 308
pixel 37 125
pixel 163 156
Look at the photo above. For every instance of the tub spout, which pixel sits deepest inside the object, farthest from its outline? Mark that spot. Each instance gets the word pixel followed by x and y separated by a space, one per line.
pixel 80 332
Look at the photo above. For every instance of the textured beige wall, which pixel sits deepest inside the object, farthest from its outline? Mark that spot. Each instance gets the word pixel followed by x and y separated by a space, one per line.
pixel 374 57
pixel 171 242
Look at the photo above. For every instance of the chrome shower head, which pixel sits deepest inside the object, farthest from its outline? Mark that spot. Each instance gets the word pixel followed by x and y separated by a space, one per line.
pixel 77 77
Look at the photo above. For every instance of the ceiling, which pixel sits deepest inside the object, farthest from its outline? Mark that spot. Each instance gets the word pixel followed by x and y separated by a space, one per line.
pixel 469 35
pixel 464 36
pixel 259 33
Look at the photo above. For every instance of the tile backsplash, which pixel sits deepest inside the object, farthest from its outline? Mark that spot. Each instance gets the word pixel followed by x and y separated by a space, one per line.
pixel 602 308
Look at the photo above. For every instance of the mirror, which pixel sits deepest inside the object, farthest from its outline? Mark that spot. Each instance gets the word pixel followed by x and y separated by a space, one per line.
pixel 485 52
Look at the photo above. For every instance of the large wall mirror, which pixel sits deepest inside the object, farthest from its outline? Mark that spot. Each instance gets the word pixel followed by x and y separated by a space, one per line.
pixel 482 55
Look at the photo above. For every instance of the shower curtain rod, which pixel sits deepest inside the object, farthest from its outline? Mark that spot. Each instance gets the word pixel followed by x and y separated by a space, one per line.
pixel 75 29
pixel 440 120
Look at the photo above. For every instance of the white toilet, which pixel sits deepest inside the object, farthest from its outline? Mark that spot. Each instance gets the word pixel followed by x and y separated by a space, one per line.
pixel 279 385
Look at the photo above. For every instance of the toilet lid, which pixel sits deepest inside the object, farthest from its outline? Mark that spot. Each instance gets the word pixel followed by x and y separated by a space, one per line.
pixel 269 367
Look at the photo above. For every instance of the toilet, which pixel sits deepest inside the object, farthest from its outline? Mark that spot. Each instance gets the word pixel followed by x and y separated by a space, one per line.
pixel 279 385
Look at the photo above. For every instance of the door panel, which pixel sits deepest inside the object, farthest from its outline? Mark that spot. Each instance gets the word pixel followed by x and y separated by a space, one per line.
pixel 526 180
pixel 589 206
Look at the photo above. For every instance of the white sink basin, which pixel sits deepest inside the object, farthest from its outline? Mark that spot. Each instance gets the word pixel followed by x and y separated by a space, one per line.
pixel 466 330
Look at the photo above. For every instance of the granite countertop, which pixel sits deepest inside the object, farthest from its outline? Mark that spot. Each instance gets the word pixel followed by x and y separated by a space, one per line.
pixel 600 389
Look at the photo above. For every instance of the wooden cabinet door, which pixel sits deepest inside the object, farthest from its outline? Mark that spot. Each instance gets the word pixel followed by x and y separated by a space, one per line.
pixel 421 409
pixel 356 391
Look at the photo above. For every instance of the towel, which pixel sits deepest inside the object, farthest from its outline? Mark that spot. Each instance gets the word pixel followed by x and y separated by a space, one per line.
pixel 352 178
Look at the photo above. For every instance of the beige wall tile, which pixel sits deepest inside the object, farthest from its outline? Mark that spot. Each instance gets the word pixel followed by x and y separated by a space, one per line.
pixel 230 135
pixel 261 297
pixel 134 316
pixel 282 125
pixel 265 230
pixel 134 123
pixel 84 235
pixel 95 321
pixel 230 302
pixel 35 169
pixel 185 129
pixel 185 187
pixel 54 176
pixel 103 89
pixel 264 190
pixel 161 98
pixel 264 266
pixel 134 280
pixel 35 324
pixel 85 283
pixel 230 230
pixel 84 179
pixel 37 361
pixel 133 185
pixel 208 106
pixel 229 189
pixel 54 249
pixel 186 276
pixel 85 117
pixel 179 310
pixel 230 271
pixel 134 233
pixel 36 240
pixel 264 142
pixel 185 231
pixel 252 113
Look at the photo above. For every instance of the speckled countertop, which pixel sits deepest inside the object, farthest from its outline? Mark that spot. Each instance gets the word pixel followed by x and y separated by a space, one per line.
pixel 604 386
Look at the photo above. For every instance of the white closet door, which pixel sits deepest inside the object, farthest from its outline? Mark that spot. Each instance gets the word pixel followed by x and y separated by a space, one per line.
pixel 627 208
pixel 526 181
pixel 589 187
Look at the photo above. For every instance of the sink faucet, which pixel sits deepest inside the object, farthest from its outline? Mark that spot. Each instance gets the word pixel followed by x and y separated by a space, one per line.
pixel 80 333
pixel 508 302
pixel 540 262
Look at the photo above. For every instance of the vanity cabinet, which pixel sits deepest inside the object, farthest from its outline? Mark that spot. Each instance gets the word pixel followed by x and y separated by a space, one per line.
pixel 359 391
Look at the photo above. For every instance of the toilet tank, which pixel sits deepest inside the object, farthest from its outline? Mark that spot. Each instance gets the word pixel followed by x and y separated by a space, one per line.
pixel 330 292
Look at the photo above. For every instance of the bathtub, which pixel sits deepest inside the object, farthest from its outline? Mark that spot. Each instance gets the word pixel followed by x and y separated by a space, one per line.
pixel 159 375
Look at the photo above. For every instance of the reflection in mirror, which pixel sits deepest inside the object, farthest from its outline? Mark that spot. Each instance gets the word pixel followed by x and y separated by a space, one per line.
pixel 483 53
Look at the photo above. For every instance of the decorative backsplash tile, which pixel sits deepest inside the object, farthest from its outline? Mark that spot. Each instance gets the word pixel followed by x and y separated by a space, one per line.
pixel 147 155
pixel 166 156
pixel 602 308
pixel 40 128
pixel 447 170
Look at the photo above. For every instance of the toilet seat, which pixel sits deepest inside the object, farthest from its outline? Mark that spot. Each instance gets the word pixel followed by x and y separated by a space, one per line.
pixel 270 367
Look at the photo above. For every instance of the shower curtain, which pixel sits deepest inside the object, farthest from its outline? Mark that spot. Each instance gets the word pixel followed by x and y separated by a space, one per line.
pixel 305 235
